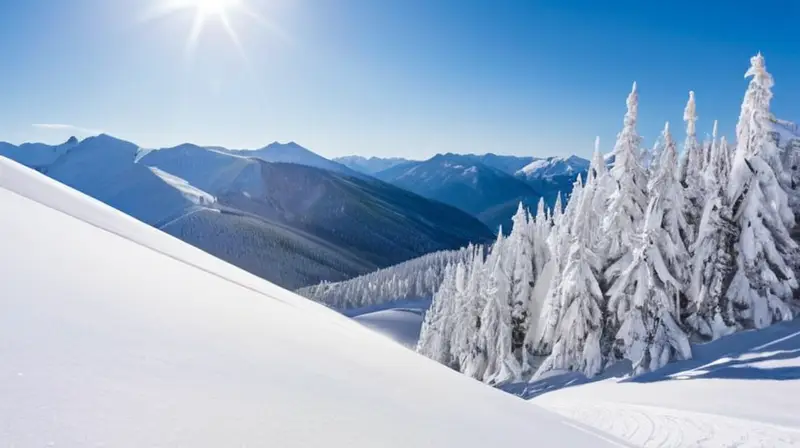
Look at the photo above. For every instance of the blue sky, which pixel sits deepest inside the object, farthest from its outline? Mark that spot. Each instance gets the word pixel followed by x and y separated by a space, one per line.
pixel 408 78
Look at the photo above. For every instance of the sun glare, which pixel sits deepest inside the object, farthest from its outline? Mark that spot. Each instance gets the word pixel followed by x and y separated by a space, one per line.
pixel 206 13
pixel 214 7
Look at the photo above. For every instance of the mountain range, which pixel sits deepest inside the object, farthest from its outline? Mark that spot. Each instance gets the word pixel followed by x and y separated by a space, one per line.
pixel 489 187
pixel 292 224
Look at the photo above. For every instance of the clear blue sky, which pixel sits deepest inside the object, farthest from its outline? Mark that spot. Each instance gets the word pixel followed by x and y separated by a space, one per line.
pixel 375 77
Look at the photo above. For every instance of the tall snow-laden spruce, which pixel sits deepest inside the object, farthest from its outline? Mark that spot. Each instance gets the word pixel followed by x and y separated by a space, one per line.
pixel 576 344
pixel 436 332
pixel 710 313
pixel 559 243
pixel 644 300
pixel 691 168
pixel 522 278
pixel 628 200
pixel 465 346
pixel 541 231
pixel 764 281
pixel 496 328
pixel 675 246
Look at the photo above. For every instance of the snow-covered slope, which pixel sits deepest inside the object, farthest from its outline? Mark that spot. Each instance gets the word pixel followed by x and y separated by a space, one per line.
pixel 103 167
pixel 737 391
pixel 400 321
pixel 123 336
pixel 370 165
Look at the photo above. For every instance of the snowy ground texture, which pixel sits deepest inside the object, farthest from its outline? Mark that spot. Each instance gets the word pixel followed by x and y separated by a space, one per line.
pixel 116 334
pixel 739 391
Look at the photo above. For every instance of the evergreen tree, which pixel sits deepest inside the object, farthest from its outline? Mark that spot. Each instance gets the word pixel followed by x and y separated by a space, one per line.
pixel 710 312
pixel 522 278
pixel 465 347
pixel 674 247
pixel 628 200
pixel 691 169
pixel 496 328
pixel 643 298
pixel 763 281
pixel 436 331
pixel 541 232
pixel 577 338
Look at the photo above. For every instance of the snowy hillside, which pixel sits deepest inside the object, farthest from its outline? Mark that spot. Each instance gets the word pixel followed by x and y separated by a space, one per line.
pixel 164 345
pixel 370 165
pixel 737 391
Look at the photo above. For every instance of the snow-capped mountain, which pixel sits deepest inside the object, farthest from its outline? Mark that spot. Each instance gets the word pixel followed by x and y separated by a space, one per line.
pixel 36 155
pixel 118 335
pixel 370 165
pixel 292 224
pixel 505 163
pixel 485 192
pixel 553 167
pixel 293 153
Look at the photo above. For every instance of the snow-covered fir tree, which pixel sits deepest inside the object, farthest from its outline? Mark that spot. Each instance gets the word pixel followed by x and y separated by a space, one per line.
pixel 559 244
pixel 764 281
pixel 644 298
pixel 495 333
pixel 710 313
pixel 691 167
pixel 541 231
pixel 436 332
pixel 576 344
pixel 627 203
pixel 466 350
pixel 520 248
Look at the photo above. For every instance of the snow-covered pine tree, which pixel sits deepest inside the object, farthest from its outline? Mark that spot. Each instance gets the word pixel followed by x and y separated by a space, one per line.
pixel 559 243
pixel 643 299
pixel 465 347
pixel 710 313
pixel 764 280
pixel 691 168
pixel 674 246
pixel 557 212
pixel 541 231
pixel 496 328
pixel 752 132
pixel 436 331
pixel 628 200
pixel 522 279
pixel 577 338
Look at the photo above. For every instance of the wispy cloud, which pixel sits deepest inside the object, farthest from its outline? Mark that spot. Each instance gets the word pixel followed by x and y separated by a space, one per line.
pixel 67 127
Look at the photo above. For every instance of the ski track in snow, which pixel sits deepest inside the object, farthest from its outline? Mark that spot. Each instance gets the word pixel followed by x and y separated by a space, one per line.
pixel 653 426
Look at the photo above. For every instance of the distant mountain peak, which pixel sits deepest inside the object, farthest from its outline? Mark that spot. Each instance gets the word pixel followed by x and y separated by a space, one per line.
pixel 71 141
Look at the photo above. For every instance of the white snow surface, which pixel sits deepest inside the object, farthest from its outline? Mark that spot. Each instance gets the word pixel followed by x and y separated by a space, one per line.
pixel 401 325
pixel 115 334
pixel 740 390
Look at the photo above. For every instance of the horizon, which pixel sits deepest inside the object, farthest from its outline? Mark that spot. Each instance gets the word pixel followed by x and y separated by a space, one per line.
pixel 350 79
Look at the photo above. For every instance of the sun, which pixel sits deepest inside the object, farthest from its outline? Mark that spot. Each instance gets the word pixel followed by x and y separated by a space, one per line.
pixel 214 7
pixel 206 12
